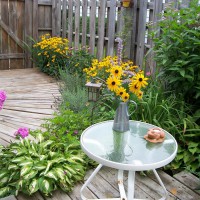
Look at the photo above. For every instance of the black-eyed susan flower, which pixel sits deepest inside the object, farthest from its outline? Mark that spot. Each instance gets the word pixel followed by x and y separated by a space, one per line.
pixel 113 83
pixel 140 80
pixel 133 87
pixel 116 71
pixel 139 94
pixel 120 91
pixel 125 97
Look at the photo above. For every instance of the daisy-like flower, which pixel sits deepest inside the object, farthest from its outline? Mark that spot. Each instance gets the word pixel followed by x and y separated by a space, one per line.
pixel 113 83
pixel 133 87
pixel 116 71
pixel 125 97
pixel 120 91
pixel 140 80
pixel 139 94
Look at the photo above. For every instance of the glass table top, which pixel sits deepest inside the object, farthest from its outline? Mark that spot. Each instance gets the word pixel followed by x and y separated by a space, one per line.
pixel 128 150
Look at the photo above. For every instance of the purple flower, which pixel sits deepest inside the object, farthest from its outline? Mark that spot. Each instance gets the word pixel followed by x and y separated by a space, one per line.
pixel 2 98
pixel 148 73
pixel 75 132
pixel 2 95
pixel 23 132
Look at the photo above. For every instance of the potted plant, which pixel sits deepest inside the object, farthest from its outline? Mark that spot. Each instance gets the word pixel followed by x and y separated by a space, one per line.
pixel 126 3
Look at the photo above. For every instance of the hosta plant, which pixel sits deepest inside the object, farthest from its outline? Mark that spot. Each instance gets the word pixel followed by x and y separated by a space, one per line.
pixel 40 165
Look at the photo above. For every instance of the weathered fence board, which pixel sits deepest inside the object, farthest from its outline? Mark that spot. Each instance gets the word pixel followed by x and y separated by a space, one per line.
pixel 93 23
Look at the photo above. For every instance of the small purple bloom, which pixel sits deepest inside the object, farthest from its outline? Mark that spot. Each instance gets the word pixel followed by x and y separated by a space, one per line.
pixel 2 98
pixel 75 132
pixel 65 172
pixel 148 73
pixel 23 132
pixel 2 95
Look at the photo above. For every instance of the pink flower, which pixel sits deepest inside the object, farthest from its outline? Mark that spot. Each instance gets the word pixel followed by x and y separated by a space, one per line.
pixel 2 95
pixel 2 98
pixel 23 132
pixel 148 73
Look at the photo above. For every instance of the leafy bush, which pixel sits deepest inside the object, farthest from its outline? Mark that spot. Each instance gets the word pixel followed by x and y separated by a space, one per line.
pixel 78 60
pixel 66 126
pixel 74 94
pixel 50 54
pixel 166 110
pixel 44 165
pixel 177 51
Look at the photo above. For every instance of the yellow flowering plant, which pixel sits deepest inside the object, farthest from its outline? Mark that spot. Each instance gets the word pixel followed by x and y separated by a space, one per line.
pixel 50 54
pixel 122 79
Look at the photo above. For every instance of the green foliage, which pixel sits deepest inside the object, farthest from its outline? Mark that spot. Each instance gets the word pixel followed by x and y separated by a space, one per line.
pixel 171 113
pixel 50 54
pixel 177 51
pixel 78 60
pixel 66 126
pixel 74 94
pixel 44 166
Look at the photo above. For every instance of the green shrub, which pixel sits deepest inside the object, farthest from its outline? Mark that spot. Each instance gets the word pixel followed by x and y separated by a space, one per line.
pixel 74 93
pixel 78 60
pixel 50 54
pixel 44 166
pixel 177 52
pixel 170 112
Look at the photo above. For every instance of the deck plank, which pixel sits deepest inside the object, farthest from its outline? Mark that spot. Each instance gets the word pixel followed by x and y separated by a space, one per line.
pixel 188 180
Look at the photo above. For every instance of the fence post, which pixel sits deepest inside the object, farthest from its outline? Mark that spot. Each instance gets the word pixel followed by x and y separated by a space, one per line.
pixel 56 18
pixel 92 26
pixel 141 32
pixel 64 18
pixel 77 24
pixel 111 27
pixel 28 30
pixel 84 22
pixel 101 28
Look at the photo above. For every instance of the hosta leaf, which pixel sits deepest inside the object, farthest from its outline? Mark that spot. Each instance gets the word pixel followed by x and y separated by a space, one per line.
pixel 52 174
pixel 60 173
pixel 5 191
pixel 30 175
pixel 70 169
pixel 18 159
pixel 45 186
pixel 39 166
pixel 25 170
pixel 4 179
pixel 3 173
pixel 26 162
pixel 59 160
pixel 43 157
pixel 45 144
pixel 12 166
pixel 12 175
pixel 40 137
pixel 33 187
pixel 49 163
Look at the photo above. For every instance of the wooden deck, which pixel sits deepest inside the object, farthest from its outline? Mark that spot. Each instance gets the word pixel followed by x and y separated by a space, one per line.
pixel 31 97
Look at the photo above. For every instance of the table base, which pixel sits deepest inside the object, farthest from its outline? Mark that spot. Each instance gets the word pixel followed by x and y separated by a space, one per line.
pixel 131 184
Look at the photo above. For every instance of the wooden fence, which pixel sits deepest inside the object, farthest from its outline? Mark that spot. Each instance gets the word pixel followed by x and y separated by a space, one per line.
pixel 94 23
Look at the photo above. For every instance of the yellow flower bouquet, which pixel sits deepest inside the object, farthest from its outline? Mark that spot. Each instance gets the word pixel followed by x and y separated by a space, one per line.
pixel 123 79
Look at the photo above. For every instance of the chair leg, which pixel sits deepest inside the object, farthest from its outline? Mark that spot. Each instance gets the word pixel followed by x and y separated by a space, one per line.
pixel 121 185
pixel 162 185
pixel 131 184
pixel 89 180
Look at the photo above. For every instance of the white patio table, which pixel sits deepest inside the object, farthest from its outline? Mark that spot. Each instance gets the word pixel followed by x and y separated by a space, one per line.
pixel 127 151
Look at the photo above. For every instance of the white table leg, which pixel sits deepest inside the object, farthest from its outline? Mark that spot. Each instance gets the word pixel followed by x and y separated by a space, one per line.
pixel 131 184
pixel 89 180
pixel 161 183
pixel 121 185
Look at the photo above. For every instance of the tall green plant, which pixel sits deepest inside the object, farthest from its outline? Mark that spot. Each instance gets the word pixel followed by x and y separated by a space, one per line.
pixel 177 51
pixel 169 112
pixel 74 94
